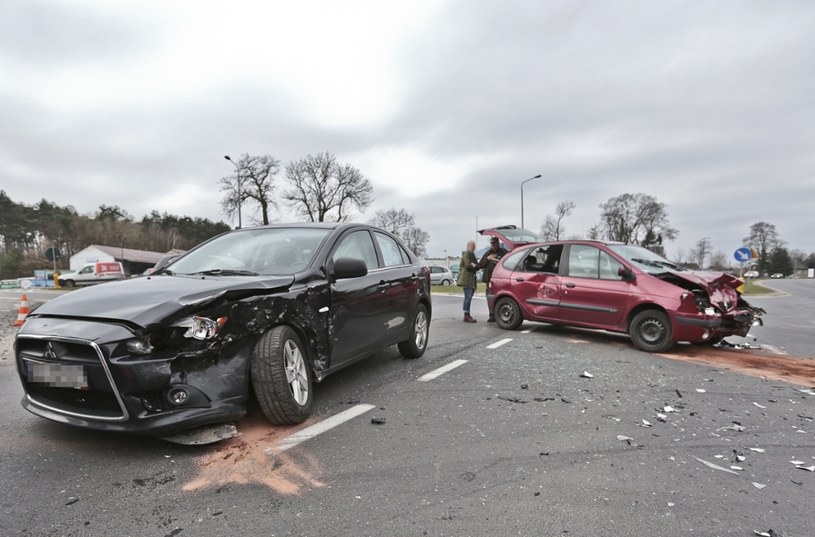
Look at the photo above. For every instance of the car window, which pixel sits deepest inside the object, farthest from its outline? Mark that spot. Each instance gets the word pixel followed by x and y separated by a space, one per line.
pixel 391 253
pixel 609 267
pixel 510 262
pixel 543 259
pixel 357 245
pixel 584 261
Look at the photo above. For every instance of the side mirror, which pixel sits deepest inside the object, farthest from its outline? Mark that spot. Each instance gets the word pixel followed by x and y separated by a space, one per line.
pixel 349 267
pixel 625 273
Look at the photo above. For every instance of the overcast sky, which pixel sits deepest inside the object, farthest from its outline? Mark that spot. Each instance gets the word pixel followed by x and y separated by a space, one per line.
pixel 445 106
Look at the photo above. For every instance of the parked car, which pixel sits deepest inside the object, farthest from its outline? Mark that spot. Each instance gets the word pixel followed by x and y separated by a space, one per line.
pixel 441 275
pixel 266 310
pixel 92 273
pixel 751 274
pixel 619 288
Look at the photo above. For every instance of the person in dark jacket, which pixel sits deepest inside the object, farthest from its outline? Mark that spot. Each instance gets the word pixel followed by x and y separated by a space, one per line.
pixel 488 262
pixel 467 278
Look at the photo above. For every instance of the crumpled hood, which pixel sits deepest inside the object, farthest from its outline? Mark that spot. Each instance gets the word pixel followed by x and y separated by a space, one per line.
pixel 145 301
pixel 709 280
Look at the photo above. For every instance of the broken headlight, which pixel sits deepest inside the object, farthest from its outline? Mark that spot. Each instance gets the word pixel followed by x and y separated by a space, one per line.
pixel 140 345
pixel 203 327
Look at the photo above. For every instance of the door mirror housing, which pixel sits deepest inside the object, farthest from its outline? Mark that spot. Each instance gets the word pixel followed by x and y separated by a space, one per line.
pixel 626 274
pixel 349 267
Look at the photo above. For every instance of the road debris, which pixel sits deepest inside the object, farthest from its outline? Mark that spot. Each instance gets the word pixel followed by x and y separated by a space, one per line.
pixel 378 421
pixel 524 386
pixel 716 466
pixel 646 423
pixel 678 393
pixel 759 486
pixel 512 399
pixel 207 434
pixel 758 449
pixel 758 405
pixel 736 468
pixel 740 458
pixel 668 409
pixel 735 427
pixel 701 390
pixel 662 417
pixel 797 463
pixel 807 468
pixel 72 500
pixel 768 533
pixel 586 375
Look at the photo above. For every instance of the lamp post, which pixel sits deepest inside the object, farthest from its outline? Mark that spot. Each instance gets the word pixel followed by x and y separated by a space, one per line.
pixel 238 173
pixel 522 196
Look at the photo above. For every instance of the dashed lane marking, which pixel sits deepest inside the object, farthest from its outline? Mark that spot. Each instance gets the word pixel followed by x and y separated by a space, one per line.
pixel 441 371
pixel 499 343
pixel 319 428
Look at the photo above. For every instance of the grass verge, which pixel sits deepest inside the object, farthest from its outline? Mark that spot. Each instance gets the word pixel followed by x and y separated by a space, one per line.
pixel 752 287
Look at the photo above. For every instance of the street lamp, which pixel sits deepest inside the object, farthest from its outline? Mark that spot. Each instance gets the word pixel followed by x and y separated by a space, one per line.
pixel 522 196
pixel 238 172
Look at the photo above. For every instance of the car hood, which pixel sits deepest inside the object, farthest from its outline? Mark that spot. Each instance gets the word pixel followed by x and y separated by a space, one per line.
pixel 149 300
pixel 706 280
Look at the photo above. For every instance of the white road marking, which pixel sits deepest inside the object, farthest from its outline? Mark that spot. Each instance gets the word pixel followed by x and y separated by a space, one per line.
pixel 499 343
pixel 529 330
pixel 441 371
pixel 319 428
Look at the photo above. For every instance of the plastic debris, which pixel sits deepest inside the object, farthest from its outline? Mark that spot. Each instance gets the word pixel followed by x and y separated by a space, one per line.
pixel 671 504
pixel 586 375
pixel 646 423
pixel 759 486
pixel 512 399
pixel 758 449
pixel 624 438
pixel 524 386
pixel 206 434
pixel 797 463
pixel 678 393
pixel 735 427
pixel 736 468
pixel 758 405
pixel 701 390
pixel 807 468
pixel 740 458
pixel 668 408
pixel 808 392
pixel 716 466
pixel 378 421
pixel 768 533
pixel 72 500
pixel 662 417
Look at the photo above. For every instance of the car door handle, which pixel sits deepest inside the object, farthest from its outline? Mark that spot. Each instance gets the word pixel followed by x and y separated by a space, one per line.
pixel 570 285
pixel 519 279
pixel 383 285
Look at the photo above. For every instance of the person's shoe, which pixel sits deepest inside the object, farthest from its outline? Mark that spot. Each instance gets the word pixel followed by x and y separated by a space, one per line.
pixel 491 319
pixel 468 319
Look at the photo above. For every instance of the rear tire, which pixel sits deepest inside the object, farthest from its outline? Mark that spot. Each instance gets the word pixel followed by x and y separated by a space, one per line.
pixel 415 345
pixel 67 283
pixel 651 330
pixel 446 282
pixel 508 314
pixel 281 377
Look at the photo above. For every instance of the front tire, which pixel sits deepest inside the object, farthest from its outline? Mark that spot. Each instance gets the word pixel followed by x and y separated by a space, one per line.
pixel 446 282
pixel 651 330
pixel 67 283
pixel 281 377
pixel 508 314
pixel 415 345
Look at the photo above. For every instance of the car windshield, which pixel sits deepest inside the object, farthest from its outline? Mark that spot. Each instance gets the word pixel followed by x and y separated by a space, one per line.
pixel 644 259
pixel 251 252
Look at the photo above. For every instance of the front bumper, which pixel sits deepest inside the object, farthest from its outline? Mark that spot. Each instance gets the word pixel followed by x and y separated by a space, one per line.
pixel 700 327
pixel 110 389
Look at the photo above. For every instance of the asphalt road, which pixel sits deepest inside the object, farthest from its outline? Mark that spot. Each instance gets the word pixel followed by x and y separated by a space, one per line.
pixel 511 442
pixel 790 319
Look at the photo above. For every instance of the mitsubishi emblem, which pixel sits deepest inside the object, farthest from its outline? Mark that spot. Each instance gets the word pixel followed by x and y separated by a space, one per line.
pixel 49 353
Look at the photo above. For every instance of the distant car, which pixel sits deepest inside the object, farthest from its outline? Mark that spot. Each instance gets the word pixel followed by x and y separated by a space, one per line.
pixel 751 274
pixel 619 288
pixel 93 273
pixel 777 275
pixel 254 313
pixel 441 275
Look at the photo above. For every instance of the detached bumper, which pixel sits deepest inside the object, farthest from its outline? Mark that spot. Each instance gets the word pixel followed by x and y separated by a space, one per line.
pixel 698 328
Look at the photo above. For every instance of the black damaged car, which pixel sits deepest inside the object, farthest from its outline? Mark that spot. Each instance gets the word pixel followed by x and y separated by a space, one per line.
pixel 265 311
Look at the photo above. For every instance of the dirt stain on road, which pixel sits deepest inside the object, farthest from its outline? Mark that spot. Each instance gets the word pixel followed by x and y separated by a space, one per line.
pixel 750 362
pixel 252 458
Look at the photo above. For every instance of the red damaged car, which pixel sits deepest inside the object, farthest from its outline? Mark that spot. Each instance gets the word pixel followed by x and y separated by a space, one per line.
pixel 620 288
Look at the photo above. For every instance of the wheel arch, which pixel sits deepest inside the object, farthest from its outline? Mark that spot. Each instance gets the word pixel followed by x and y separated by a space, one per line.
pixel 643 307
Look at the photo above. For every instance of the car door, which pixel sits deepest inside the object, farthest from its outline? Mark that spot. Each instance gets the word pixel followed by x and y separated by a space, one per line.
pixel 359 306
pixel 592 290
pixel 536 282
pixel 401 282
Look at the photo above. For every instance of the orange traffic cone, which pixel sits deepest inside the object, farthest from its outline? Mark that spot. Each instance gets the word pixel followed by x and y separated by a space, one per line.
pixel 23 312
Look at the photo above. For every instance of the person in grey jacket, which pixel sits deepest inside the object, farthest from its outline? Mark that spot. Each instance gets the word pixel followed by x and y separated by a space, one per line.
pixel 467 278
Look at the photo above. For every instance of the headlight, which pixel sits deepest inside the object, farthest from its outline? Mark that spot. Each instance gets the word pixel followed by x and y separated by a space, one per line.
pixel 140 346
pixel 204 328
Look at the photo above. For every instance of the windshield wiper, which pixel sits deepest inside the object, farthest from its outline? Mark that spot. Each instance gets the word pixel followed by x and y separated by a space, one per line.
pixel 658 264
pixel 225 272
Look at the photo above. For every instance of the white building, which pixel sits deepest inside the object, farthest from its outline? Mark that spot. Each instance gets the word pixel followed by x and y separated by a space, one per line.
pixel 134 261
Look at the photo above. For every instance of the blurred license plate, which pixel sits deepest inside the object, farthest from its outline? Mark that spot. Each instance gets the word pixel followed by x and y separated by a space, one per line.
pixel 58 375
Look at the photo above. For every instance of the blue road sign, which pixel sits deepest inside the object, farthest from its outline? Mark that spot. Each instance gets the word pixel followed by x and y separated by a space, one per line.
pixel 743 255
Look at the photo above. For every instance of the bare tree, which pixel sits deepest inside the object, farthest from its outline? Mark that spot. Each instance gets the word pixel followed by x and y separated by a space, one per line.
pixel 764 238
pixel 636 219
pixel 253 180
pixel 701 251
pixel 394 220
pixel 719 261
pixel 416 240
pixel 552 228
pixel 402 224
pixel 321 189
